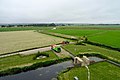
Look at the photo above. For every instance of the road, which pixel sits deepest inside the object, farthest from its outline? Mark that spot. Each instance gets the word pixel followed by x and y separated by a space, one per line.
pixel 28 52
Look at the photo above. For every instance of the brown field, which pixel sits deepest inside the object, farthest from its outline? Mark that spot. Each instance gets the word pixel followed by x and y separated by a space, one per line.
pixel 20 40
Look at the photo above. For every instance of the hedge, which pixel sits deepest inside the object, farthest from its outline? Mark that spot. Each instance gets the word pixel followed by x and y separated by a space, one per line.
pixel 102 45
pixel 32 67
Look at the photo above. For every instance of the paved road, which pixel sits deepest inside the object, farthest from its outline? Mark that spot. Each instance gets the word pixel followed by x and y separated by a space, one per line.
pixel 35 51
pixel 28 52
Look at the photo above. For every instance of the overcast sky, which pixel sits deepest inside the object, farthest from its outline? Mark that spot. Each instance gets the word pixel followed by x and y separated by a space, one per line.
pixel 75 11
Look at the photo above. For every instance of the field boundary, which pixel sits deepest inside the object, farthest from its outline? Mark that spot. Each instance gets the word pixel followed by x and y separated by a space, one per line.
pixel 59 35
pixel 102 45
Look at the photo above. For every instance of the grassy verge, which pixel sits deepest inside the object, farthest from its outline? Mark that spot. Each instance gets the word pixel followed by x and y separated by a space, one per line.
pixel 99 71
pixel 17 60
pixel 103 45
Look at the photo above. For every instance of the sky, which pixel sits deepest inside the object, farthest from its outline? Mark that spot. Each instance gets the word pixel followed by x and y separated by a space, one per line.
pixel 60 11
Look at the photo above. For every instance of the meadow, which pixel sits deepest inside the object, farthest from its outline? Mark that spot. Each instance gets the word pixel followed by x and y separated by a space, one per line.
pixel 21 40
pixel 99 71
pixel 109 36
pixel 18 60
pixel 75 32
pixel 80 49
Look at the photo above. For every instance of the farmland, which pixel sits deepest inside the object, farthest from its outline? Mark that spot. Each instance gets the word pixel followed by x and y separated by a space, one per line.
pixel 76 32
pixel 110 38
pixel 99 71
pixel 20 40
pixel 102 35
pixel 12 40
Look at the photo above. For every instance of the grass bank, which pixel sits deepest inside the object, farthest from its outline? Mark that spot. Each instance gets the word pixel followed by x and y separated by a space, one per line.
pixel 83 49
pixel 16 64
pixel 98 71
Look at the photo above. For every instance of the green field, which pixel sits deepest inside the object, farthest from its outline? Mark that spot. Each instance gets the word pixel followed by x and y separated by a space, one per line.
pixel 107 36
pixel 76 32
pixel 110 38
pixel 15 39
pixel 17 60
pixel 99 71
pixel 20 40
pixel 79 49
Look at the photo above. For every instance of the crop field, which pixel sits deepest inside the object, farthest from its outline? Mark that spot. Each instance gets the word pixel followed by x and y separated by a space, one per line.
pixel 17 60
pixel 107 36
pixel 99 71
pixel 21 40
pixel 79 49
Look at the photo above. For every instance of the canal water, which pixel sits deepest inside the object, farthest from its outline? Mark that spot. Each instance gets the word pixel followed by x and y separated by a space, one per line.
pixel 44 73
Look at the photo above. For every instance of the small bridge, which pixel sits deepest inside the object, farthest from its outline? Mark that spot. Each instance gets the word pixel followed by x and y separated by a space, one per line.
pixel 82 61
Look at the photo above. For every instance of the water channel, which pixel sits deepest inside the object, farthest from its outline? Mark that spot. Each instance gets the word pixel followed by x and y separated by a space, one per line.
pixel 44 73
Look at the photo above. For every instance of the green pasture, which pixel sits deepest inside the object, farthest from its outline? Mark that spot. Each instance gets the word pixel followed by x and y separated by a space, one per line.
pixel 109 36
pixel 76 32
pixel 18 60
pixel 98 71
pixel 79 49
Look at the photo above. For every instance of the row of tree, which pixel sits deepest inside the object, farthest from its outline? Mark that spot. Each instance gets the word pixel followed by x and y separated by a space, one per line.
pixel 24 25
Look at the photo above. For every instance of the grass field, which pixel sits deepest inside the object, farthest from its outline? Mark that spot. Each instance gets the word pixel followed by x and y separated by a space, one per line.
pixel 99 71
pixel 78 49
pixel 17 60
pixel 20 40
pixel 109 36
pixel 76 32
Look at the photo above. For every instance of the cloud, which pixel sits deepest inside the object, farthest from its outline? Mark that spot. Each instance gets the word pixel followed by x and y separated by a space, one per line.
pixel 83 11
